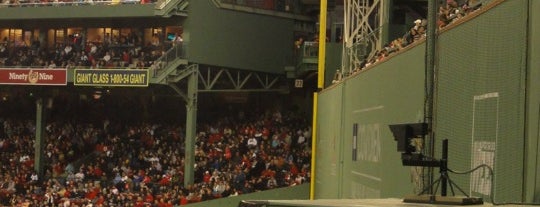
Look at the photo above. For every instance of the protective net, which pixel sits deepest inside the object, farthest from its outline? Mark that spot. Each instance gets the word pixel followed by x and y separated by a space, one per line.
pixel 480 102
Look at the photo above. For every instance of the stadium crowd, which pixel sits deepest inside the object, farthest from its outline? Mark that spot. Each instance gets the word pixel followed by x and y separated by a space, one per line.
pixel 125 51
pixel 449 11
pixel 111 164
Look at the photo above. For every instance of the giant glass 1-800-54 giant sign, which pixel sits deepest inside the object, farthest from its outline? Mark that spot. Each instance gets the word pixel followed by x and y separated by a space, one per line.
pixel 111 77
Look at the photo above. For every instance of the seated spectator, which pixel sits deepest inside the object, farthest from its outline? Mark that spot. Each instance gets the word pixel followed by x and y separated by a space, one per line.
pixel 134 161
pixel 442 21
pixel 52 64
pixel 107 57
pixel 449 12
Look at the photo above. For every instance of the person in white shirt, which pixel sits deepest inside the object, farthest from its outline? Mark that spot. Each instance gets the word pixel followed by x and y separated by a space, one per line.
pixel 252 142
pixel 93 49
pixel 107 57
pixel 52 64
pixel 301 140
pixel 68 49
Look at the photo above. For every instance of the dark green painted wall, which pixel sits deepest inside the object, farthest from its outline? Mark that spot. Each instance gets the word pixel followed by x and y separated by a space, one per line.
pixel 236 39
pixel 480 107
pixel 533 106
pixel 481 99
pixel 390 93
pixel 328 165
pixel 333 61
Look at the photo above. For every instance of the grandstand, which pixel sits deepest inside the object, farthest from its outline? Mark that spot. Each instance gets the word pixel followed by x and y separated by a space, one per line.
pixel 99 99
pixel 210 102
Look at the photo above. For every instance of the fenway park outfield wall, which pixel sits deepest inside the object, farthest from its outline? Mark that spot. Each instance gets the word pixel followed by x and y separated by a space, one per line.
pixel 482 106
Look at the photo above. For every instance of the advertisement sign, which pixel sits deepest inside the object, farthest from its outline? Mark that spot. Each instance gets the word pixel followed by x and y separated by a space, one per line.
pixel 19 76
pixel 111 77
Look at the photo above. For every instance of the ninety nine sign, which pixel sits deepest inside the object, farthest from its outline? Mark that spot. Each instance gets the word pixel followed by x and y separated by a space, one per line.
pixel 33 76
pixel 111 77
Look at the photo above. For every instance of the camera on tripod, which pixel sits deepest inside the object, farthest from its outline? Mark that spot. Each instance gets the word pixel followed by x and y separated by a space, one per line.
pixel 410 140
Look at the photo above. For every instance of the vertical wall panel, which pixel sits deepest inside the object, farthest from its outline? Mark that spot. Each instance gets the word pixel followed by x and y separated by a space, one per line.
pixel 480 103
pixel 236 39
pixel 328 167
pixel 391 93
pixel 533 106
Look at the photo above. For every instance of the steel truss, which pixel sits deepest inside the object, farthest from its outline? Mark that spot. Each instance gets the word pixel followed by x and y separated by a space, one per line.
pixel 219 79
pixel 362 35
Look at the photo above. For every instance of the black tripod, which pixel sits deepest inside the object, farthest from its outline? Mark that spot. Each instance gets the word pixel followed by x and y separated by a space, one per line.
pixel 444 178
pixel 443 181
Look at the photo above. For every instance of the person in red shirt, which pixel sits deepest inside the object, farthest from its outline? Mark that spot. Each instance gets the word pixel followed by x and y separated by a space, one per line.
pixel 100 147
pixel 147 179
pixel 183 200
pixel 168 204
pixel 100 200
pixel 206 177
pixel 294 170
pixel 67 193
pixel 228 153
pixel 126 58
pixel 149 198
pixel 165 180
pixel 140 202
pixel 98 172
pixel 93 193
pixel 162 203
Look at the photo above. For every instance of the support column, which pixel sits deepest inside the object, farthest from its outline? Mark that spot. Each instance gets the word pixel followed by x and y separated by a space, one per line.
pixel 385 11
pixel 322 44
pixel 431 81
pixel 320 86
pixel 40 139
pixel 191 121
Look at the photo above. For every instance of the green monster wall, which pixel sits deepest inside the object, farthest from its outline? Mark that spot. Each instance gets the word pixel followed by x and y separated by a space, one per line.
pixel 479 107
pixel 237 39
pixel 533 106
pixel 390 93
pixel 481 99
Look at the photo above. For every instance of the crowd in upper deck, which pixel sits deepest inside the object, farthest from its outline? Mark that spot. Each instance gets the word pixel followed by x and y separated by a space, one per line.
pixel 449 11
pixel 142 164
pixel 124 51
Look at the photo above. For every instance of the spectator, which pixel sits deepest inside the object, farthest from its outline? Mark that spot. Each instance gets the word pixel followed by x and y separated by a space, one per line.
pixel 448 13
pixel 128 163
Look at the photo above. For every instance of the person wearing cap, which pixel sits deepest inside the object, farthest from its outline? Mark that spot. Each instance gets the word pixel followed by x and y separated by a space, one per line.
pixel 417 23
pixel 206 177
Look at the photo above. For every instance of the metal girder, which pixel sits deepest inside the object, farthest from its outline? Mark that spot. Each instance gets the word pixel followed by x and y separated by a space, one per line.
pixel 179 91
pixel 362 22
pixel 214 79
pixel 168 8
pixel 183 73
